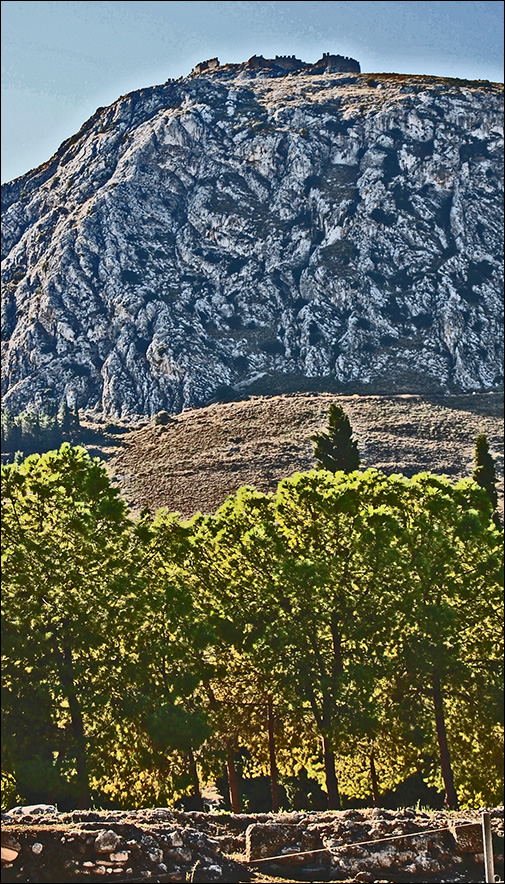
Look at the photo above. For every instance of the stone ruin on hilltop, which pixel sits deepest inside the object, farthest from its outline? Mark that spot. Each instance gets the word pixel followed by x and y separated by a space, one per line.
pixel 284 64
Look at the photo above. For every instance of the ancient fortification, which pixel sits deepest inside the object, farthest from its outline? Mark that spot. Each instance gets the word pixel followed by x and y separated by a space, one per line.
pixel 283 64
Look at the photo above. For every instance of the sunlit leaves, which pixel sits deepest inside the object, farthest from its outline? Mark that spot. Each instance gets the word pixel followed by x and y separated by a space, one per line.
pixel 65 569
pixel 339 597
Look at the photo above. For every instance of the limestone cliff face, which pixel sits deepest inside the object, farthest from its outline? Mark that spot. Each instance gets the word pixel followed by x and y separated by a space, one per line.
pixel 239 222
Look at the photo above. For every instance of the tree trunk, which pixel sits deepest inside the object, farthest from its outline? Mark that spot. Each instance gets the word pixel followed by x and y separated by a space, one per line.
pixel 331 776
pixel 338 664
pixel 197 795
pixel 81 762
pixel 451 799
pixel 233 786
pixel 373 777
pixel 274 783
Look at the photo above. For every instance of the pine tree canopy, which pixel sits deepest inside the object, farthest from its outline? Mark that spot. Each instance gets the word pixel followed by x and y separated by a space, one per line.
pixel 335 449
pixel 358 613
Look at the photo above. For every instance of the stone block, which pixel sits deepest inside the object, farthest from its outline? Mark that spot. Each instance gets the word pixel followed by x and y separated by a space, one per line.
pixel 468 839
pixel 271 840
pixel 10 841
pixel 179 855
pixel 122 856
pixel 9 855
pixel 107 842
pixel 156 856
pixel 174 839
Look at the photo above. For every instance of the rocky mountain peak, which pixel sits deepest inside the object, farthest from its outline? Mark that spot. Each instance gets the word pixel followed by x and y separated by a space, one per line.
pixel 259 221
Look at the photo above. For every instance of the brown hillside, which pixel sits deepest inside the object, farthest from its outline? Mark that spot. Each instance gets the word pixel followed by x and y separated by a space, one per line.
pixel 204 455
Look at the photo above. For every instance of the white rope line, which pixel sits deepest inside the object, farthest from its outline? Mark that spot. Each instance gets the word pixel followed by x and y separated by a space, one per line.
pixel 265 859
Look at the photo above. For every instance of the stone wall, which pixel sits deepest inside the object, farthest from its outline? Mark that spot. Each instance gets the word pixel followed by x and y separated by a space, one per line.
pixel 203 67
pixel 284 64
pixel 123 847
pixel 163 845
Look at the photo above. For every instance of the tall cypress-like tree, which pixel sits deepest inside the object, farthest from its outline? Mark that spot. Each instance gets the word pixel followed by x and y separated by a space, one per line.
pixel 335 449
pixel 484 472
pixel 75 421
pixel 65 418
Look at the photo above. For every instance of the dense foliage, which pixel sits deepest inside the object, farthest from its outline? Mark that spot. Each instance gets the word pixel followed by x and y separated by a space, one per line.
pixel 342 633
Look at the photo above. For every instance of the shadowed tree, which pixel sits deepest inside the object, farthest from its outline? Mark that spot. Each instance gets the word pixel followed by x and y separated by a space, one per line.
pixel 484 472
pixel 335 449
pixel 65 418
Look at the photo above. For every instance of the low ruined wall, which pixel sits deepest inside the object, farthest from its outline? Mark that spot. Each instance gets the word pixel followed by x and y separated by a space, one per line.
pixel 117 846
pixel 164 845
pixel 399 846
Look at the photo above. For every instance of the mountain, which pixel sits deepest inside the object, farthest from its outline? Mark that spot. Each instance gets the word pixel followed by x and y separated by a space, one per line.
pixel 270 222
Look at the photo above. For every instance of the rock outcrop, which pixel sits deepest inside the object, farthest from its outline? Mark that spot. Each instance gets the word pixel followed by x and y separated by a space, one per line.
pixel 254 219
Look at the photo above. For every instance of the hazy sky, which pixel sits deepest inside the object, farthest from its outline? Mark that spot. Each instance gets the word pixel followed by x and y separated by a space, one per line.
pixel 62 60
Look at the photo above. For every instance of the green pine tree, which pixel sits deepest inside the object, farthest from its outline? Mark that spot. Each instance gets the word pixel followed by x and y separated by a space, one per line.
pixel 65 418
pixel 30 428
pixel 8 430
pixel 76 423
pixel 336 449
pixel 484 472
pixel 12 436
pixel 50 431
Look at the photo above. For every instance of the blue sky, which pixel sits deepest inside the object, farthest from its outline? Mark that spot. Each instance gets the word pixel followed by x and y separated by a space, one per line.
pixel 62 60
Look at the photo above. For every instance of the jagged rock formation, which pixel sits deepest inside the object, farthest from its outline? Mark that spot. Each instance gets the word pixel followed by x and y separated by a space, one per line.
pixel 251 219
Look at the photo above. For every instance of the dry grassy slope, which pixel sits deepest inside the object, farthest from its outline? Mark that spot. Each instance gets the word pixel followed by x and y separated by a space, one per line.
pixel 204 455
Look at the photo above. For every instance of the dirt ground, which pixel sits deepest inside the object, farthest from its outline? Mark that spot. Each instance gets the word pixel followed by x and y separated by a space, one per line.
pixel 203 455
